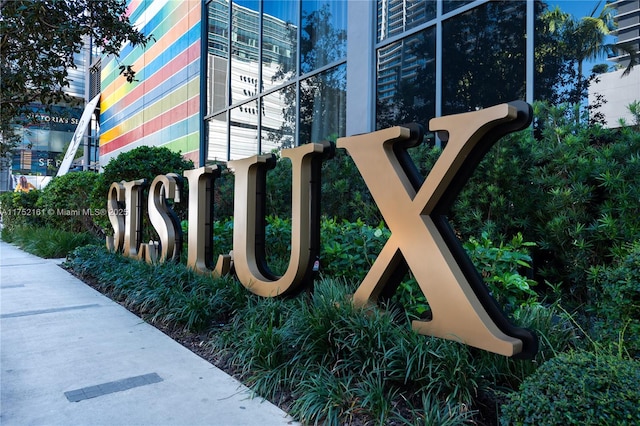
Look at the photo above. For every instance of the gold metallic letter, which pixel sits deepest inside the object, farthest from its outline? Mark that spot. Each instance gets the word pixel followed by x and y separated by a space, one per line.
pixel 248 251
pixel 133 218
pixel 200 248
pixel 116 212
pixel 460 304
pixel 163 218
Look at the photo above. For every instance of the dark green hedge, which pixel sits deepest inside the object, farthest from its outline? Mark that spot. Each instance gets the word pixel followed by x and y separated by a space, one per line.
pixel 578 388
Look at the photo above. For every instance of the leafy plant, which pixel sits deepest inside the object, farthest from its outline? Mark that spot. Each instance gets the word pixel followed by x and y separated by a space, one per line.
pixel 324 398
pixel 350 248
pixel 499 266
pixel 556 332
pixel 431 411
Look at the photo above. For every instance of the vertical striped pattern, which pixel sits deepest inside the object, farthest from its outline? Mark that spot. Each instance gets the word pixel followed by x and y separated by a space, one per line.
pixel 162 108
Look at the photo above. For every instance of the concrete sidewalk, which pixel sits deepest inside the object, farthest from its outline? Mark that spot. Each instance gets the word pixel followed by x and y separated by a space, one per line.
pixel 70 356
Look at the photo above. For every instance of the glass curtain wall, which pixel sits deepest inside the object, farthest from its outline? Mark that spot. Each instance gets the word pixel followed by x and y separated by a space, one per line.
pixel 438 58
pixel 276 75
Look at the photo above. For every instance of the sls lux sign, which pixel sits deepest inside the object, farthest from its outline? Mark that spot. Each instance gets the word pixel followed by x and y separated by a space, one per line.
pixel 414 210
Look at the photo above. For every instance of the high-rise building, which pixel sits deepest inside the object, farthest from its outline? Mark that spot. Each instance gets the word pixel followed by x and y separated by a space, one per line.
pixel 627 31
pixel 621 87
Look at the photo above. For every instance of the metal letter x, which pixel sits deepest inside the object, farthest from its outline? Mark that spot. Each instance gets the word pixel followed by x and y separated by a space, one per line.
pixel 421 238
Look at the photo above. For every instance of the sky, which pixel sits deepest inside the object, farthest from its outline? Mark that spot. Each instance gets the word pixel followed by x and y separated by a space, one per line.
pixel 578 8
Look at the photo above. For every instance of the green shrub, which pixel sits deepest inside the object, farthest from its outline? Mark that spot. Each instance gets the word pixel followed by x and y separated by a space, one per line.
pixel 49 242
pixel 168 292
pixel 617 296
pixel 67 201
pixel 500 267
pixel 145 162
pixel 19 209
pixel 348 249
pixel 578 388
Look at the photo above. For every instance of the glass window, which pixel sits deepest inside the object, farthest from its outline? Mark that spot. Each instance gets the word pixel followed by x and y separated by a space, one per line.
pixel 218 56
pixel 449 5
pixel 323 106
pixel 484 56
pixel 243 130
pixel 323 37
pixel 218 146
pixel 217 84
pixel 279 119
pixel 261 49
pixel 406 79
pixel 245 46
pixel 279 42
pixel 397 16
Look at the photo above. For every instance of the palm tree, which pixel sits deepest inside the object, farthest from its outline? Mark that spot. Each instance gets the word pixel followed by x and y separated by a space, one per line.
pixel 584 39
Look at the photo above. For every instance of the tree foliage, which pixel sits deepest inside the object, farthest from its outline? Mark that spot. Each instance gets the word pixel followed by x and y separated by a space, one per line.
pixel 39 41
pixel 578 40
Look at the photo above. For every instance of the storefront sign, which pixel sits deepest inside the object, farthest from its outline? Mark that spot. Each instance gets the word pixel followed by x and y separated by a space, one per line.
pixel 421 239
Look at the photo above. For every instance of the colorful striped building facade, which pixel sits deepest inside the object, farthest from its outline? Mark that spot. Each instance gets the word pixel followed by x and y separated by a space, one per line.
pixel 162 107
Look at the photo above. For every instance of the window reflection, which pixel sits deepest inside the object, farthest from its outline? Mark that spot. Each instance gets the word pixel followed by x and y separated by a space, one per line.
pixel 323 37
pixel 323 106
pixel 397 16
pixel 243 130
pixel 278 127
pixel 218 55
pixel 217 149
pixel 279 42
pixel 406 80
pixel 449 5
pixel 484 57
pixel 245 45
pixel 243 64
